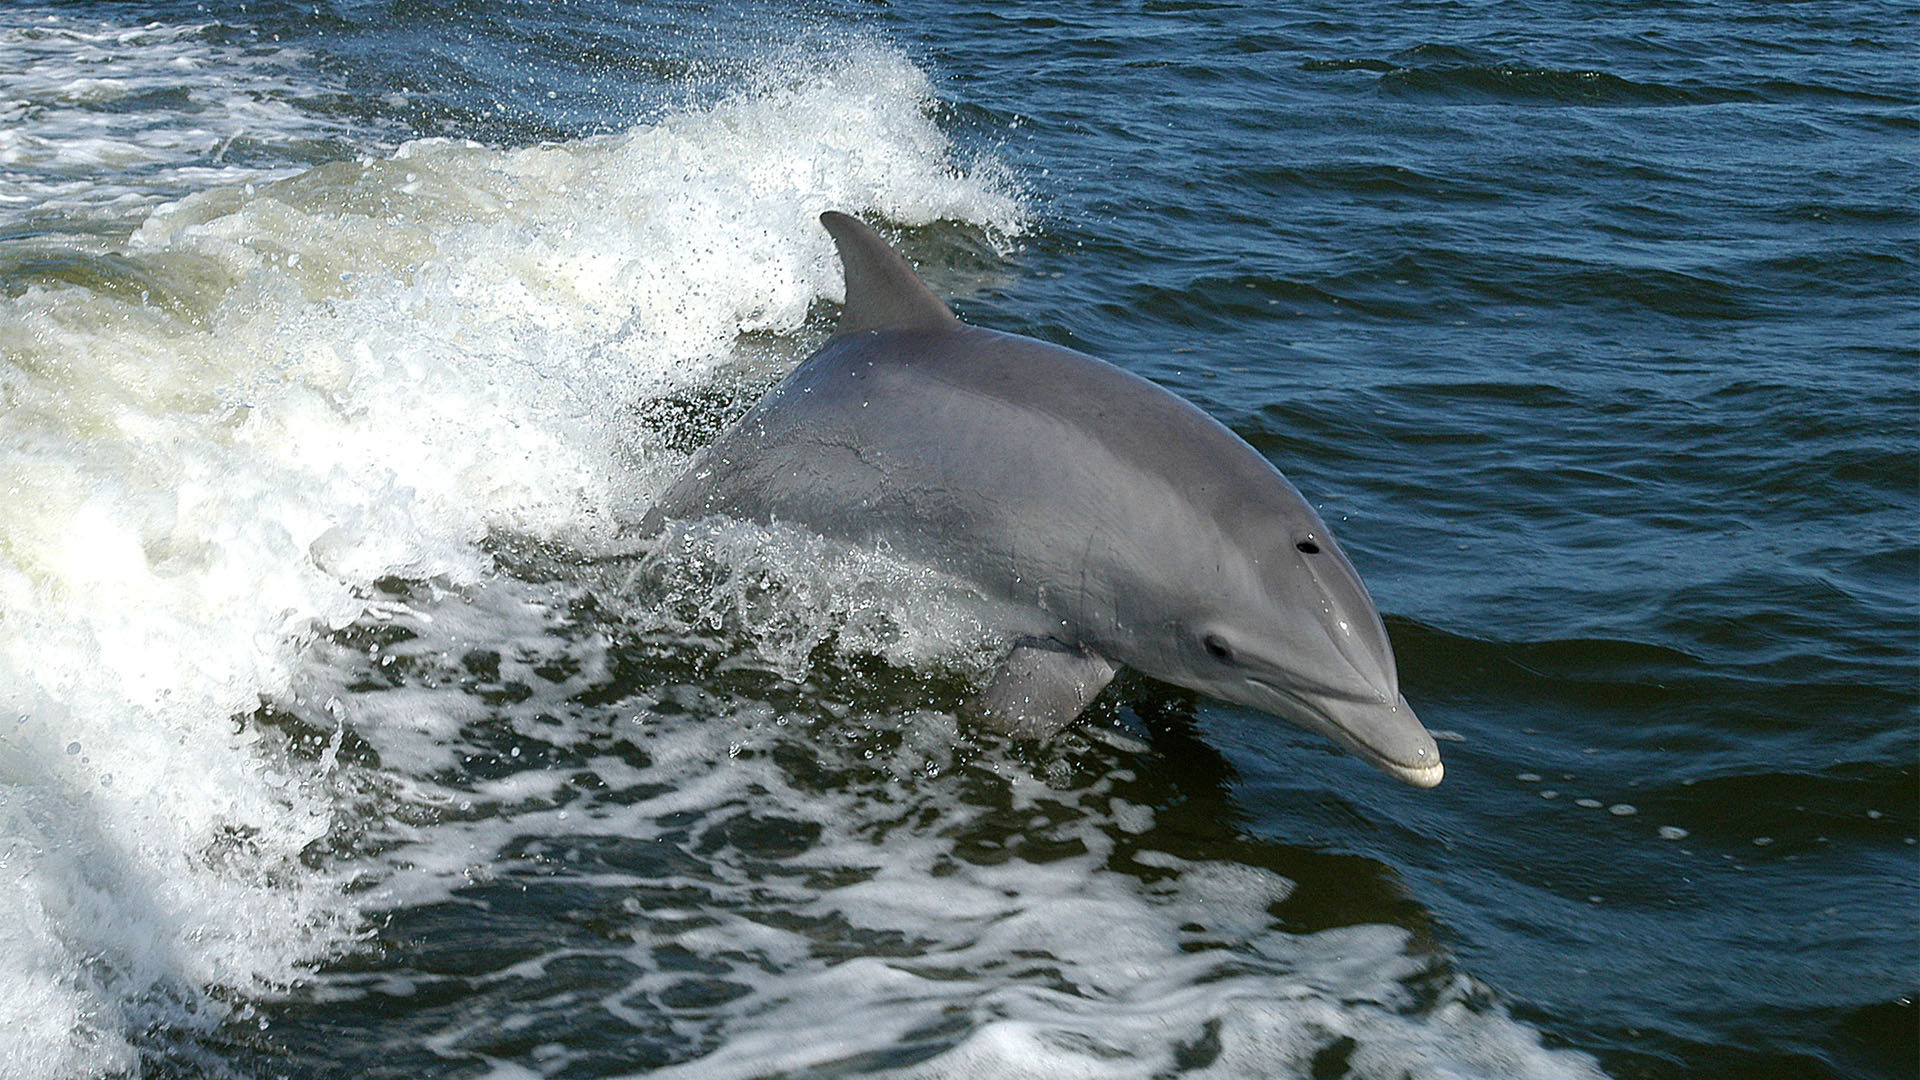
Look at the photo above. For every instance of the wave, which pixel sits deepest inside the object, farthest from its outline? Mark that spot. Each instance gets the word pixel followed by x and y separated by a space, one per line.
pixel 99 122
pixel 1453 75
pixel 219 434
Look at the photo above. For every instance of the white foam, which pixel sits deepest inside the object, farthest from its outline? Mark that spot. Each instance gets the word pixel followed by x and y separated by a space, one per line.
pixel 789 592
pixel 370 369
pixel 363 370
pixel 886 940
pixel 72 151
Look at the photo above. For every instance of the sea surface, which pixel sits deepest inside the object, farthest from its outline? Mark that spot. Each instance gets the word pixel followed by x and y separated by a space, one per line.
pixel 347 727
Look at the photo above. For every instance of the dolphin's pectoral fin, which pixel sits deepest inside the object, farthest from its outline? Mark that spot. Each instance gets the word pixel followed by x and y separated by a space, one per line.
pixel 1041 687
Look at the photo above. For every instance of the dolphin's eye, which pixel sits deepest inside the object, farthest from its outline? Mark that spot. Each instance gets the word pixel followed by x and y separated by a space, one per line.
pixel 1218 648
pixel 1307 547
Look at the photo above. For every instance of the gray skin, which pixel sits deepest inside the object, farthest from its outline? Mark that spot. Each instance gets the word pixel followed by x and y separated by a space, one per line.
pixel 1117 523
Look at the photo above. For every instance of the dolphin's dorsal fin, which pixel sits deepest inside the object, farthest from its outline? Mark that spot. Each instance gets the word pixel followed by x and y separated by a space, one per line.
pixel 883 293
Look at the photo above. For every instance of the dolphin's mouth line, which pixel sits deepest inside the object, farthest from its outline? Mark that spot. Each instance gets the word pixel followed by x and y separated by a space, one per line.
pixel 1419 773
pixel 1303 693
pixel 1294 691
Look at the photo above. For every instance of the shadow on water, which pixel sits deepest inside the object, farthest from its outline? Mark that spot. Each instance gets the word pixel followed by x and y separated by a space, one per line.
pixel 1193 785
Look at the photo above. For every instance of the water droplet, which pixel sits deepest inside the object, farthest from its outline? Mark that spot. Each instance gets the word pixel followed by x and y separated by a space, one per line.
pixel 73 748
pixel 1591 804
pixel 1622 810
pixel 1528 778
pixel 1672 832
pixel 1762 841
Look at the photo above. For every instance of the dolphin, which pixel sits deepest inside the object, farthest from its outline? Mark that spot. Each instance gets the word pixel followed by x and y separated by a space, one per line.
pixel 1116 523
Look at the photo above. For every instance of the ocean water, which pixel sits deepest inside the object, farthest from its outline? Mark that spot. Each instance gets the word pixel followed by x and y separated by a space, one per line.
pixel 347 728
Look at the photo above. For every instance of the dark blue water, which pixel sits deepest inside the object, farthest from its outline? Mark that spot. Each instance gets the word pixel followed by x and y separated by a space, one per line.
pixel 1590 328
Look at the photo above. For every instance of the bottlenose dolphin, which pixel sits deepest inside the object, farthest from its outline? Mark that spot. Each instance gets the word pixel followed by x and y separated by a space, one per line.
pixel 1117 523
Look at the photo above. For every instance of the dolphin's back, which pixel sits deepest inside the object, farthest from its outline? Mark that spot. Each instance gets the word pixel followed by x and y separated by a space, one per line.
pixel 1059 470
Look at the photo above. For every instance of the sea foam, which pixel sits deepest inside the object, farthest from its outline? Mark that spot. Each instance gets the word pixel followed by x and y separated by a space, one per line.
pixel 77 148
pixel 734 887
pixel 298 385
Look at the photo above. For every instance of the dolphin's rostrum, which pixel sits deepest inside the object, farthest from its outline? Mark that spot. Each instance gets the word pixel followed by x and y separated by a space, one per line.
pixel 1118 524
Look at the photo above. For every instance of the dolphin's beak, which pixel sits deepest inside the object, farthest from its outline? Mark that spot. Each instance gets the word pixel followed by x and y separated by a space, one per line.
pixel 1388 737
